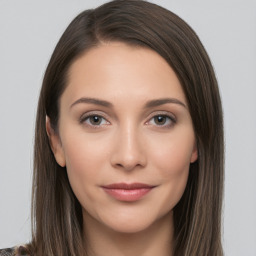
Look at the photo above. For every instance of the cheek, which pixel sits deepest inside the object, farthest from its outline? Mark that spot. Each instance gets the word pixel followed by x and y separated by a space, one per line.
pixel 171 162
pixel 85 162
pixel 173 168
pixel 173 155
pixel 83 153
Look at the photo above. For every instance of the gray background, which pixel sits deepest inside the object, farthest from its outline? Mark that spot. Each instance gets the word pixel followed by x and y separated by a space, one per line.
pixel 29 31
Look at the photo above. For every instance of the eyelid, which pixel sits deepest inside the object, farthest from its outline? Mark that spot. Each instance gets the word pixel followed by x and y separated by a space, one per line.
pixel 101 114
pixel 93 113
pixel 162 113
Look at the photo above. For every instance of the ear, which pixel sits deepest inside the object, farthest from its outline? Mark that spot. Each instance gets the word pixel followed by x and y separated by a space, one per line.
pixel 55 143
pixel 194 155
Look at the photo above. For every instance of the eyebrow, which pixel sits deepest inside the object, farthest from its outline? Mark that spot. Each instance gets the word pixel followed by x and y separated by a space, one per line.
pixel 149 104
pixel 159 102
pixel 93 101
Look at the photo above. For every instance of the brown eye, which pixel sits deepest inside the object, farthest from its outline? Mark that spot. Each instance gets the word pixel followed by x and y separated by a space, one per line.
pixel 160 120
pixel 95 120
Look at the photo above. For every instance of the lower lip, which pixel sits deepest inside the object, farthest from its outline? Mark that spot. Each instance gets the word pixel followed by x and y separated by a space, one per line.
pixel 127 195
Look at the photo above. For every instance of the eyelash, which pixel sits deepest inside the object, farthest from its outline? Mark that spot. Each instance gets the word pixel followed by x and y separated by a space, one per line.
pixel 85 118
pixel 167 117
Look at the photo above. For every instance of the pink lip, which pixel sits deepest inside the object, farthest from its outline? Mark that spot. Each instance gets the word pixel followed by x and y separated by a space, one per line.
pixel 127 192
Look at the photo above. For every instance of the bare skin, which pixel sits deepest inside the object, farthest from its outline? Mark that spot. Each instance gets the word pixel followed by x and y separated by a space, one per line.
pixel 124 119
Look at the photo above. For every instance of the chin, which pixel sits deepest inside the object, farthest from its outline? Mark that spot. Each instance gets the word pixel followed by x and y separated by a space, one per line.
pixel 134 223
pixel 126 227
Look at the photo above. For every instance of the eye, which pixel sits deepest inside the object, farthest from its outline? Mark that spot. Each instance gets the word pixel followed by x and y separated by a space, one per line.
pixel 94 120
pixel 162 120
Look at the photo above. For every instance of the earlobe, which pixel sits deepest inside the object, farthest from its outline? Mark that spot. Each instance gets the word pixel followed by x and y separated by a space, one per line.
pixel 55 143
pixel 194 155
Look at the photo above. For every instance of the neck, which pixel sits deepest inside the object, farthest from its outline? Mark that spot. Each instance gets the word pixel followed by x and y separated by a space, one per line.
pixel 101 240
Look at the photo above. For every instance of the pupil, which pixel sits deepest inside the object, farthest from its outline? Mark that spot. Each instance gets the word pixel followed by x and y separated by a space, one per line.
pixel 95 119
pixel 160 119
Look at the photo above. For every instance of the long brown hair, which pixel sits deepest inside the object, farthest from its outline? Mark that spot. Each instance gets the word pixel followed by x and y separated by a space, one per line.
pixel 56 213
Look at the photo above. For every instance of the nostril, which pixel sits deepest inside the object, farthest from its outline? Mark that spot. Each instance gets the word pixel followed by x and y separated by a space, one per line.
pixel 128 151
pixel 129 166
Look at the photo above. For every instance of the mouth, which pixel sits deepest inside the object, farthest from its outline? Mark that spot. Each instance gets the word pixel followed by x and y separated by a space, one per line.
pixel 128 192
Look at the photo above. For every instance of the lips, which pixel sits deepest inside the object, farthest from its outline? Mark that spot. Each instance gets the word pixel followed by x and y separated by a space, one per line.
pixel 127 192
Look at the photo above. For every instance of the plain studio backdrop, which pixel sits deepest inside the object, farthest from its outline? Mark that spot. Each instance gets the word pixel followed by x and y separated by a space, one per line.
pixel 29 31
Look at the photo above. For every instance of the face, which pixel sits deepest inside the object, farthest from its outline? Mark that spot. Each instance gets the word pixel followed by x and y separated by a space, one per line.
pixel 125 136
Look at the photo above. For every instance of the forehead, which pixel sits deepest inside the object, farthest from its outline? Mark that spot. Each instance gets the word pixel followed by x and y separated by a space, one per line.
pixel 117 70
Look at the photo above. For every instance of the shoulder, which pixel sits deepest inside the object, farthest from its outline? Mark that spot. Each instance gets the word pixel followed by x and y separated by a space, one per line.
pixel 7 252
pixel 14 251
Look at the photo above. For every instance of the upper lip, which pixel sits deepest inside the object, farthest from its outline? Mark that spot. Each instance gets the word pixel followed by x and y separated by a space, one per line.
pixel 128 186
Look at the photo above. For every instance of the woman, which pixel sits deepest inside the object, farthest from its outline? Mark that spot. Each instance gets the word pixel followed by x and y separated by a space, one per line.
pixel 128 153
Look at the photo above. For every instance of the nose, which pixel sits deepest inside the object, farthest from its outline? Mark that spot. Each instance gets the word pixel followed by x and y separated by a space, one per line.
pixel 129 151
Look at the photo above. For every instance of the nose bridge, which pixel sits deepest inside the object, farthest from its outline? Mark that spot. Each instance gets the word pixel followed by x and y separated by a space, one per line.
pixel 129 151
